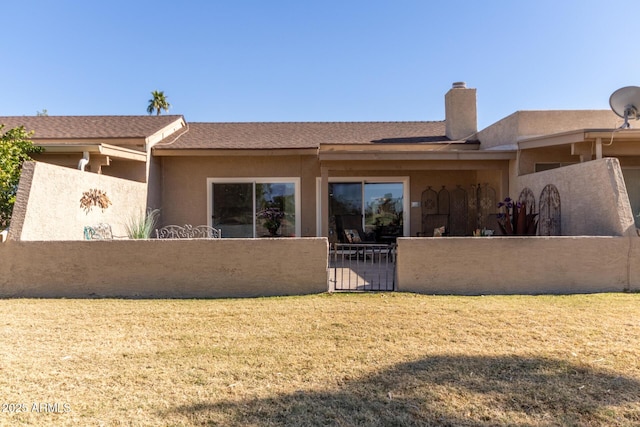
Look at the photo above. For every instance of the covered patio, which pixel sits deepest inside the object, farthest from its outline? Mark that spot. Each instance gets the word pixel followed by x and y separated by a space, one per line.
pixel 458 168
pixel 559 150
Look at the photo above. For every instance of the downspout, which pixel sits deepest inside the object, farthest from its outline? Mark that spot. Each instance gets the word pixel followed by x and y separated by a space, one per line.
pixel 84 161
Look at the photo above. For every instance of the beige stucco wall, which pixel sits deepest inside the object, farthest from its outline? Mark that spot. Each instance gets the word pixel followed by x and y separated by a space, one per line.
pixel 527 159
pixel 184 183
pixel 126 169
pixel 526 124
pixel 593 195
pixel 513 265
pixel 211 268
pixel 48 203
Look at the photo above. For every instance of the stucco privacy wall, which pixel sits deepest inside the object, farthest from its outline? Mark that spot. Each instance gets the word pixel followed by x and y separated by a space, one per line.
pixel 48 203
pixel 181 268
pixel 593 197
pixel 518 265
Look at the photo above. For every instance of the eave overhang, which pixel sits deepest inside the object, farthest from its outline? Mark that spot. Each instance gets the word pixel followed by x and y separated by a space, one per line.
pixel 587 143
pixel 234 152
pixel 108 150
pixel 50 142
pixel 578 136
pixel 410 152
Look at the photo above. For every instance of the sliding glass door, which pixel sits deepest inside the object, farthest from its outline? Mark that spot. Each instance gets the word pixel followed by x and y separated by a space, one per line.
pixel 377 208
pixel 383 210
pixel 275 210
pixel 255 208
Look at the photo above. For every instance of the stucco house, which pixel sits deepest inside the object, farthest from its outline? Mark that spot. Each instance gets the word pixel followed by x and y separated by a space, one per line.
pixel 328 182
pixel 392 178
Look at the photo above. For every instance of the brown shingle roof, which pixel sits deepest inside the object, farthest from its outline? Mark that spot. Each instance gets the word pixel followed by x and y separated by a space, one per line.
pixel 89 127
pixel 275 135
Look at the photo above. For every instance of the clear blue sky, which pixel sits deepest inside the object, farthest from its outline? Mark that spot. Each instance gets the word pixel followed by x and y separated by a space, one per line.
pixel 347 60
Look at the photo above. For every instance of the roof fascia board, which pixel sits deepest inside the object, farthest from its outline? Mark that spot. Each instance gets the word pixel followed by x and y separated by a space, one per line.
pixel 412 165
pixel 234 152
pixel 551 140
pixel 378 147
pixel 616 134
pixel 577 136
pixel 165 132
pixel 419 155
pixel 84 141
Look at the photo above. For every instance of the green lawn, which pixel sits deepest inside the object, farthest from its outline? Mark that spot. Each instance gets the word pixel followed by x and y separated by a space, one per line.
pixel 342 359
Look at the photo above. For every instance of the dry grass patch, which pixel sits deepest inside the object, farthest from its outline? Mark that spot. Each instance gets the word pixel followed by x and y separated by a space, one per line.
pixel 343 359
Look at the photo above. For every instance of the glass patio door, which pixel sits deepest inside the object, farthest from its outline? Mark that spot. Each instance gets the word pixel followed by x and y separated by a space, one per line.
pixel 377 205
pixel 383 210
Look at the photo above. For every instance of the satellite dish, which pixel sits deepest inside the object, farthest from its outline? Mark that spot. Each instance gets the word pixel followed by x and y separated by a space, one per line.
pixel 625 102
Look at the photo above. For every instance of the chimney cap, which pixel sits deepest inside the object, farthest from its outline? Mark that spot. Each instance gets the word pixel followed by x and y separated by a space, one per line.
pixel 459 85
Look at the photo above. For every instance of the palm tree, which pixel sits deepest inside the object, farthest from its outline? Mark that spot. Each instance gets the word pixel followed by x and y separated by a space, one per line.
pixel 158 103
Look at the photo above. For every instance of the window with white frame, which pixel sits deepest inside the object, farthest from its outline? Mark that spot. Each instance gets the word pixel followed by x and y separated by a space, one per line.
pixel 255 207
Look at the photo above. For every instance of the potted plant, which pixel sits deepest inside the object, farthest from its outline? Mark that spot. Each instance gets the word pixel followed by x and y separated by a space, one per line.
pixel 272 217
pixel 515 220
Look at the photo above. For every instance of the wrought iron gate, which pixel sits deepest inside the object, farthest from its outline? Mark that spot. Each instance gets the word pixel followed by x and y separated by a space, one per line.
pixel 362 267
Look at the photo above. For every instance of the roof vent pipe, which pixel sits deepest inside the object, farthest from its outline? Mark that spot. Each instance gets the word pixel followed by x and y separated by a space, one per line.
pixel 84 161
pixel 459 85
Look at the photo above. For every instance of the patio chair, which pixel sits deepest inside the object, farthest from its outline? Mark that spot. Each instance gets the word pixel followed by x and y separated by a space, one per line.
pixel 100 231
pixel 356 241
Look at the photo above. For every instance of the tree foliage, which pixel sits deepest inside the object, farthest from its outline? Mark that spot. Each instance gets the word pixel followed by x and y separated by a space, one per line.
pixel 158 103
pixel 15 148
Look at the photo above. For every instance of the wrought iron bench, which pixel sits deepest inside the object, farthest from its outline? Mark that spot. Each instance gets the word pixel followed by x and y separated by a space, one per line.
pixel 100 231
pixel 188 232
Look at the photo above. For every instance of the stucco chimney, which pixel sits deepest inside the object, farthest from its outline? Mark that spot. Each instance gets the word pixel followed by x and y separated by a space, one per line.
pixel 460 112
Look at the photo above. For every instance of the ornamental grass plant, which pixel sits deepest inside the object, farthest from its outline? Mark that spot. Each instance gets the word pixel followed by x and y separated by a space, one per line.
pixel 142 225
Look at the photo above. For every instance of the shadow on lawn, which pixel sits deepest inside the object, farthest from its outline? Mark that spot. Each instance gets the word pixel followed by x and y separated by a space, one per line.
pixel 447 390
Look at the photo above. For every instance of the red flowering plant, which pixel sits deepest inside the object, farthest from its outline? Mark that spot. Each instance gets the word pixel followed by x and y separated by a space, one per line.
pixel 515 220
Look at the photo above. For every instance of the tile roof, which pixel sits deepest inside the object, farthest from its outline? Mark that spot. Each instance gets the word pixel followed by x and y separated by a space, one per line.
pixel 89 127
pixel 278 135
